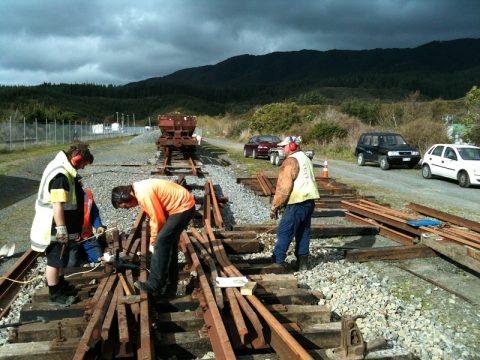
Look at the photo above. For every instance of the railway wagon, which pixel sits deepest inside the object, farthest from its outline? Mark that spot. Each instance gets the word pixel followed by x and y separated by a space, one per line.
pixel 177 132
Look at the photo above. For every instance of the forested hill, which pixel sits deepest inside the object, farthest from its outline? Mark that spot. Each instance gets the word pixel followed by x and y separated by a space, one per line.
pixel 441 69
pixel 438 69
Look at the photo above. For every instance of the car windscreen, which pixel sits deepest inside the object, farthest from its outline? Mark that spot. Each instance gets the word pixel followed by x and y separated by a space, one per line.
pixel 266 138
pixel 469 153
pixel 393 139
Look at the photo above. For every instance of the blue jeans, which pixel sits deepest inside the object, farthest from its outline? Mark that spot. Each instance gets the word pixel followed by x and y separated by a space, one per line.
pixel 295 222
pixel 164 260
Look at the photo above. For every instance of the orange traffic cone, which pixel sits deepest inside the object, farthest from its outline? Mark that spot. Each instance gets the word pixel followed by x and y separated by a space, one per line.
pixel 325 168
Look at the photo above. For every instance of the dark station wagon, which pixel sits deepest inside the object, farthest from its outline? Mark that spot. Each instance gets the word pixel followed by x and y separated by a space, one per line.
pixel 386 149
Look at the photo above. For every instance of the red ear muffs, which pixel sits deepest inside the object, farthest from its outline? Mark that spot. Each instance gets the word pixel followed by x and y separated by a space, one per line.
pixel 292 146
pixel 76 159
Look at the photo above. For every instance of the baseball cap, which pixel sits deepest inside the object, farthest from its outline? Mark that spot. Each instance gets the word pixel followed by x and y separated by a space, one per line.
pixel 286 141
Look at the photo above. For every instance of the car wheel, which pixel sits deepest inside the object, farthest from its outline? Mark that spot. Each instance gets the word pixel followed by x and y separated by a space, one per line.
pixel 426 173
pixel 384 164
pixel 272 159
pixel 245 153
pixel 278 161
pixel 254 154
pixel 463 179
pixel 360 159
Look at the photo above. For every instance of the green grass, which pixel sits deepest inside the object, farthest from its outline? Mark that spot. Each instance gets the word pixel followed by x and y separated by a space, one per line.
pixel 10 160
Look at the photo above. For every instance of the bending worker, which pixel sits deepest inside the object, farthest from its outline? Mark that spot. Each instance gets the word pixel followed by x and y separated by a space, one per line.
pixel 59 218
pixel 170 208
pixel 296 191
pixel 91 245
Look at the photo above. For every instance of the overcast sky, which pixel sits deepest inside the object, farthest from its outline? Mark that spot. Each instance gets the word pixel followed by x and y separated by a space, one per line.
pixel 120 41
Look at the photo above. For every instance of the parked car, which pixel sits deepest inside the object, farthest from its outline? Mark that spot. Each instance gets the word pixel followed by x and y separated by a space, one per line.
pixel 259 145
pixel 457 162
pixel 385 149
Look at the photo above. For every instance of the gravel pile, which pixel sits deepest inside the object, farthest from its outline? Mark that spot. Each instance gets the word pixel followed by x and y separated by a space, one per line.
pixel 349 288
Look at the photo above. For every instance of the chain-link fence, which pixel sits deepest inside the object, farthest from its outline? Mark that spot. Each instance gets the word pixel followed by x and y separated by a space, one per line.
pixel 19 135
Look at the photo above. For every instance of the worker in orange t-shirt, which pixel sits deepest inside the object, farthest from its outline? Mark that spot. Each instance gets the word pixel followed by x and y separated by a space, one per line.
pixel 170 208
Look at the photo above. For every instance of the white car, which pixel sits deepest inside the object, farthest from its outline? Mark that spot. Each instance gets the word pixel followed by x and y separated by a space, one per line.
pixel 458 162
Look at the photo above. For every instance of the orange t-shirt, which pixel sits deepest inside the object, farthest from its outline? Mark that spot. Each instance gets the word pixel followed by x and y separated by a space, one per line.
pixel 160 199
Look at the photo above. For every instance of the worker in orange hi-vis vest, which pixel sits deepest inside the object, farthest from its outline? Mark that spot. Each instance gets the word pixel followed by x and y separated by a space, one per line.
pixel 170 208
pixel 91 247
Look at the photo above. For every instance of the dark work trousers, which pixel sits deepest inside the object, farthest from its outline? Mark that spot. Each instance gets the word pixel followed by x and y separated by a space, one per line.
pixel 53 252
pixel 295 222
pixel 164 260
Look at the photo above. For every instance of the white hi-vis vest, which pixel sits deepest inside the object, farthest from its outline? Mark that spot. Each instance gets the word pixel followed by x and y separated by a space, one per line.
pixel 304 186
pixel 40 233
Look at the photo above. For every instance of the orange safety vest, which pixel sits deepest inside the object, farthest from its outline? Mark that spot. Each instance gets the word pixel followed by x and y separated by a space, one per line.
pixel 87 229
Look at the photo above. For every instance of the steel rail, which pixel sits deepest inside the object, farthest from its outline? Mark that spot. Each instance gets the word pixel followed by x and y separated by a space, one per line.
pixel 217 214
pixel 9 289
pixel 146 350
pixel 440 215
pixel 234 301
pixel 213 270
pixel 381 217
pixel 279 338
pixel 216 329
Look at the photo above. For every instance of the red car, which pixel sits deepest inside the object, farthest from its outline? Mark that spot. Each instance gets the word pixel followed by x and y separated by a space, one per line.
pixel 259 145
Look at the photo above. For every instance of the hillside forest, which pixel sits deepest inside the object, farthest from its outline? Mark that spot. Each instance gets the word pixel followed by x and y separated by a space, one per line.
pixel 421 97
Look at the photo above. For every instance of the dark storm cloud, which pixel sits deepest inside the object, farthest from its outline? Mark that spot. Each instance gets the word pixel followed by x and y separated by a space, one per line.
pixel 117 41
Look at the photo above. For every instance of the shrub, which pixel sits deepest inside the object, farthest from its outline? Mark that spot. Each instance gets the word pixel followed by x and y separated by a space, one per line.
pixel 275 118
pixel 325 132
pixel 423 133
pixel 366 111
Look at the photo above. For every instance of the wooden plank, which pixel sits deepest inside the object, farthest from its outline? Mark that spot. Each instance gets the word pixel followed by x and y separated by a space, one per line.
pixel 241 246
pixel 71 328
pixel 452 250
pixel 248 288
pixel 317 230
pixel 241 234
pixel 170 322
pixel 183 345
pixel 275 281
pixel 32 311
pixel 51 350
pixel 304 315
pixel 287 296
pixel 389 253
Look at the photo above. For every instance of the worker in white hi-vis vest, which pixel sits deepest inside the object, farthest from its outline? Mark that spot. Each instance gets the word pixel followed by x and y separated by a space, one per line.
pixel 295 192
pixel 59 218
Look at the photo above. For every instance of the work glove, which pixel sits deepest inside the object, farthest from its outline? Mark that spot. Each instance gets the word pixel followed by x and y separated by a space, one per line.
pixel 101 230
pixel 62 234
pixel 274 214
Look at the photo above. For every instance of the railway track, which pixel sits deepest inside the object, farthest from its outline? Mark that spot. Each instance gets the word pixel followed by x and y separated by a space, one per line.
pixel 268 317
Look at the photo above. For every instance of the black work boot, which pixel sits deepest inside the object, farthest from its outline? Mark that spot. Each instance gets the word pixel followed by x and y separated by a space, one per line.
pixel 303 263
pixel 67 288
pixel 143 285
pixel 57 298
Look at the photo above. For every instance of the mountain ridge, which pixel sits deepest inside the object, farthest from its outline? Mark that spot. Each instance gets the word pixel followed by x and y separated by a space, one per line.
pixel 313 65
